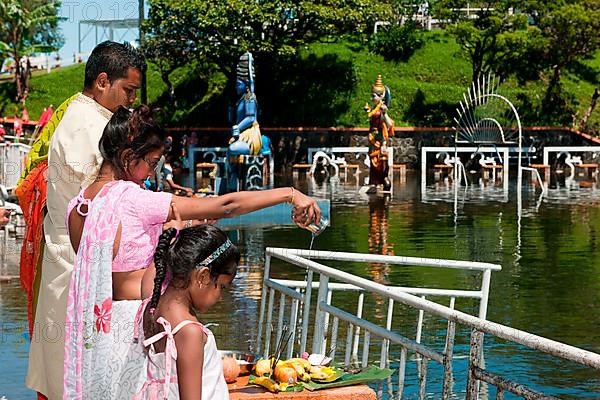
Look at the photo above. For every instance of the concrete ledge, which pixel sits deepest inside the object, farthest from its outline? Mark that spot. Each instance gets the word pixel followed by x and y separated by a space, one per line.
pixel 301 166
pixel 206 165
pixel 492 166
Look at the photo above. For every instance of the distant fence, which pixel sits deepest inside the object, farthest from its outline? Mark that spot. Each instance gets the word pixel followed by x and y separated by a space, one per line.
pixel 291 144
pixel 12 163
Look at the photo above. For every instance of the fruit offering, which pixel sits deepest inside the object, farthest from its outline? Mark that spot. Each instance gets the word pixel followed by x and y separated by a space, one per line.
pixel 290 372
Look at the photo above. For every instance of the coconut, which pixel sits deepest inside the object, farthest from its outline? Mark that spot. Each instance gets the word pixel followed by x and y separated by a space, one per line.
pixel 319 359
pixel 231 369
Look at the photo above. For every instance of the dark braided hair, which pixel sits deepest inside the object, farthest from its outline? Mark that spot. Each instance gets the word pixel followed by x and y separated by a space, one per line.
pixel 162 249
pixel 130 136
pixel 181 257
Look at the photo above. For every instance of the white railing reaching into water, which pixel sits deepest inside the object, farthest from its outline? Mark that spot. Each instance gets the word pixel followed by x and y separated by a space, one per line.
pixel 12 163
pixel 298 297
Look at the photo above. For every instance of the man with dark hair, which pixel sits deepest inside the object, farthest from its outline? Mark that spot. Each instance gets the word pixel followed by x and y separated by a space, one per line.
pixel 114 59
pixel 113 73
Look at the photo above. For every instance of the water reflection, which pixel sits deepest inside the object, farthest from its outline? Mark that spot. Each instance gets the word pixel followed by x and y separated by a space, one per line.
pixel 378 237
pixel 378 244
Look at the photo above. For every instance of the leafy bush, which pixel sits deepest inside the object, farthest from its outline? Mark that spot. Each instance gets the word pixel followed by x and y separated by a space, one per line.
pixel 397 42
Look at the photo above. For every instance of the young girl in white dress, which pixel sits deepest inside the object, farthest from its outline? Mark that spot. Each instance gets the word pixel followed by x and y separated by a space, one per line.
pixel 193 267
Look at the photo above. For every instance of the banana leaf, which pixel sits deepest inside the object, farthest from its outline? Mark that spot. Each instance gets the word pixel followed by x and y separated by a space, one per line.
pixel 298 387
pixel 337 374
pixel 370 374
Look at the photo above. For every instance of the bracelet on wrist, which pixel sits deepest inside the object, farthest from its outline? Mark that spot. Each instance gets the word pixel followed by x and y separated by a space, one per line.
pixel 292 195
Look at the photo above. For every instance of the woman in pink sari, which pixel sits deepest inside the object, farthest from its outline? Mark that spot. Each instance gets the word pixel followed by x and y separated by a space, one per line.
pixel 114 226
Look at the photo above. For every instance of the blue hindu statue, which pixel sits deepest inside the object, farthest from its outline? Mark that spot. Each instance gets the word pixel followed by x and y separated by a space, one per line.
pixel 245 132
pixel 247 146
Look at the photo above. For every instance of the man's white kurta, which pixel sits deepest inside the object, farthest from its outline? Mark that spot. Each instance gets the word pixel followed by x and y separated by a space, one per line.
pixel 73 163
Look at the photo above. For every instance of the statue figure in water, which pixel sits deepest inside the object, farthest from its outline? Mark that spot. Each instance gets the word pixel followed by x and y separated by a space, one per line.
pixel 245 132
pixel 381 128
pixel 246 137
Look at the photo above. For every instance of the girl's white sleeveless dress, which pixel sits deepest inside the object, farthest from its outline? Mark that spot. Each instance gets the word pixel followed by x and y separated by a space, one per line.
pixel 161 382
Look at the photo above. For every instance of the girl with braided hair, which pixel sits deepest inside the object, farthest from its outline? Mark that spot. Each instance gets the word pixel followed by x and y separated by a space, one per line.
pixel 114 226
pixel 193 267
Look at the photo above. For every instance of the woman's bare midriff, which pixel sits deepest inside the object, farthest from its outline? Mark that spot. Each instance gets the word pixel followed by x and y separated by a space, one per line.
pixel 128 285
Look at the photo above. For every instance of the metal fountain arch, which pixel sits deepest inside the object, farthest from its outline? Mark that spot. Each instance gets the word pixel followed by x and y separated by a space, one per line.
pixel 499 127
pixel 478 123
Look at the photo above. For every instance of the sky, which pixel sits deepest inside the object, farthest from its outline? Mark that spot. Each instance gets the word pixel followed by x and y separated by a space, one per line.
pixel 76 11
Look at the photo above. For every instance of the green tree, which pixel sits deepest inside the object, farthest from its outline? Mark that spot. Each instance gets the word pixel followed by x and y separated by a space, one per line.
pixel 28 26
pixel 570 32
pixel 218 32
pixel 168 45
pixel 530 39
pixel 493 37
pixel 403 35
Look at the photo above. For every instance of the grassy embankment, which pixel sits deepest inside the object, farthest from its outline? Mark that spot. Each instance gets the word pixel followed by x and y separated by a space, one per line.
pixel 328 87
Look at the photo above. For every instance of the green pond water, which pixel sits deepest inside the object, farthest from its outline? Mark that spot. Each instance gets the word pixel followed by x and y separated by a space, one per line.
pixel 549 284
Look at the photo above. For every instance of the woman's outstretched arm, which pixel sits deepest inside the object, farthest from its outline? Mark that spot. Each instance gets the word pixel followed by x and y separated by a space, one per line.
pixel 234 204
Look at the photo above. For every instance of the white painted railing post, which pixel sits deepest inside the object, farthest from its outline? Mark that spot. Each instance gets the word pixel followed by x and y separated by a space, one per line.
pixel 293 326
pixel 448 356
pixel 359 311
pixel 269 322
pixel 474 361
pixel 319 330
pixel 263 298
pixel 306 310
pixel 485 293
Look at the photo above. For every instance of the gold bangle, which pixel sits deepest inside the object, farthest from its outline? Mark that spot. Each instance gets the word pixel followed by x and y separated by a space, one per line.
pixel 292 195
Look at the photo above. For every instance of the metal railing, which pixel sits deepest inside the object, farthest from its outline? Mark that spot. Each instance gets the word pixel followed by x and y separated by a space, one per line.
pixel 11 236
pixel 297 301
pixel 12 163
pixel 568 149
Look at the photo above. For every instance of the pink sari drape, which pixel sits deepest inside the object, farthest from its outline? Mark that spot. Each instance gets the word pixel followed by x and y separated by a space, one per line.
pixel 88 331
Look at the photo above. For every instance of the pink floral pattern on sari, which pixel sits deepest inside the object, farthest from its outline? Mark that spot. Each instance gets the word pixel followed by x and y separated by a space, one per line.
pixel 103 314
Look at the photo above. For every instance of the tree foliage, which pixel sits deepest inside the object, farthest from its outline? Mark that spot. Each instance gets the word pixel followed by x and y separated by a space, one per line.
pixel 493 37
pixel 529 39
pixel 397 42
pixel 218 32
pixel 28 26
pixel 403 34
pixel 570 32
